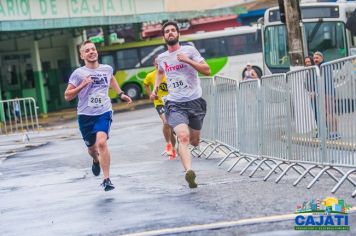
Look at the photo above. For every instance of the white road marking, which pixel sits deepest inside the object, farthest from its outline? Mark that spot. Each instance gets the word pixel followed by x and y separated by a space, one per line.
pixel 221 225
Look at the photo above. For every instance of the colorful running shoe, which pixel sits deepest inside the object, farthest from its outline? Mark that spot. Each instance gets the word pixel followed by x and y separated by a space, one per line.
pixel 169 149
pixel 173 156
pixel 190 178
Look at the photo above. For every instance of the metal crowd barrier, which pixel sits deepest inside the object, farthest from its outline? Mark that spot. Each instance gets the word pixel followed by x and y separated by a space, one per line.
pixel 207 86
pixel 339 80
pixel 274 99
pixel 207 131
pixel 249 138
pixel 275 117
pixel 304 121
pixel 225 104
pixel 221 96
pixel 18 115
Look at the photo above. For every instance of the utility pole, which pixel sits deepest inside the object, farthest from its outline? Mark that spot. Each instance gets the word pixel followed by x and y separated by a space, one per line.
pixel 294 33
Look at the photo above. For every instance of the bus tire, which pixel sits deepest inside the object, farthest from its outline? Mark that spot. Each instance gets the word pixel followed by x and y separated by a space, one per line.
pixel 258 71
pixel 133 91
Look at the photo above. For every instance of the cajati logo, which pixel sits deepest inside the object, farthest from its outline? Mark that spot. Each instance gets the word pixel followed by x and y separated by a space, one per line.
pixel 169 68
pixel 327 214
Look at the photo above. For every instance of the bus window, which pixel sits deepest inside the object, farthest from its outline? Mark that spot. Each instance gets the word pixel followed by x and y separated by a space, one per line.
pixel 243 44
pixel 276 55
pixel 127 59
pixel 109 60
pixel 328 38
pixel 147 54
pixel 210 48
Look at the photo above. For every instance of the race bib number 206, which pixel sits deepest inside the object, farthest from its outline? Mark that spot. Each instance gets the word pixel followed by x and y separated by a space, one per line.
pixel 96 100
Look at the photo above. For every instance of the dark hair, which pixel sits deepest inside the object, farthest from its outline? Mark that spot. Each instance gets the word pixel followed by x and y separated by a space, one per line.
pixel 175 24
pixel 310 58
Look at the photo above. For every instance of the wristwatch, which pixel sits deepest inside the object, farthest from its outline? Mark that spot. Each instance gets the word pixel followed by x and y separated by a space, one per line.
pixel 120 94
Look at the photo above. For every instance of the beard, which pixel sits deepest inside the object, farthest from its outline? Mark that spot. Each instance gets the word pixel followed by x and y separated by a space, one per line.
pixel 172 42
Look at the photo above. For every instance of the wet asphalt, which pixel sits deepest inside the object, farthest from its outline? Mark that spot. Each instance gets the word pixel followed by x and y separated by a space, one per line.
pixel 47 188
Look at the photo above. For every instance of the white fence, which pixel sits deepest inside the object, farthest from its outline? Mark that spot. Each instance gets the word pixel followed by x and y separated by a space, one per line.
pixel 303 121
pixel 18 115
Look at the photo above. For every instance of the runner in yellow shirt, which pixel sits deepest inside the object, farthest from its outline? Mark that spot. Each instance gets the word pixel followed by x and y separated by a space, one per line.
pixel 159 105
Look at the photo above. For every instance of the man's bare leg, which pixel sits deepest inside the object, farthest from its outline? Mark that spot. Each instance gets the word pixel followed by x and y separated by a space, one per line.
pixel 173 139
pixel 182 132
pixel 94 153
pixel 194 137
pixel 104 159
pixel 104 154
pixel 169 137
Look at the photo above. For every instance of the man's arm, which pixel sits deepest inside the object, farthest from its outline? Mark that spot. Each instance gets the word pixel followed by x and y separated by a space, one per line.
pixel 201 67
pixel 148 90
pixel 158 81
pixel 147 84
pixel 116 87
pixel 72 91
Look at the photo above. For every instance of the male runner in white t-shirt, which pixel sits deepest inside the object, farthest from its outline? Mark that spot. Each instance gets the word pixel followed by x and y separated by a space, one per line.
pixel 91 84
pixel 185 108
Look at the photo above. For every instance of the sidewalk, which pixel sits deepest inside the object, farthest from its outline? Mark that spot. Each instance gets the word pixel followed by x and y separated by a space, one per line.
pixel 70 114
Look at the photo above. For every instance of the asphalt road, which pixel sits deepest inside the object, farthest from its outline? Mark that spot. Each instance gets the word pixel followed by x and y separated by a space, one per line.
pixel 48 189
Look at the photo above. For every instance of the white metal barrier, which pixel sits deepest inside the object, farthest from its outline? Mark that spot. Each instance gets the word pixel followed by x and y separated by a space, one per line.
pixel 274 98
pixel 249 139
pixel 225 104
pixel 304 120
pixel 303 136
pixel 207 85
pixel 339 79
pixel 18 115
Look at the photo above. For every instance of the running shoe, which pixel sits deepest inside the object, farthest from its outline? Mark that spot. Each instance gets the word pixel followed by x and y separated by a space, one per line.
pixel 107 185
pixel 169 149
pixel 95 168
pixel 173 156
pixel 190 178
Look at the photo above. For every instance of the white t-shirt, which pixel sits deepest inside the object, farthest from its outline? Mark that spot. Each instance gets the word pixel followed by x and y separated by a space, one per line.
pixel 182 79
pixel 94 98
